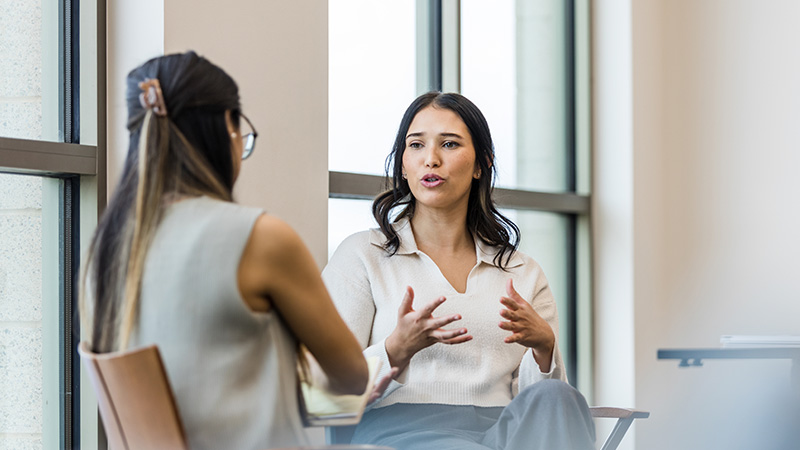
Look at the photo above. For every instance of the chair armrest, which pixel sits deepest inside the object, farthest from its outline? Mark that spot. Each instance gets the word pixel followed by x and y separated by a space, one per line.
pixel 625 418
pixel 618 413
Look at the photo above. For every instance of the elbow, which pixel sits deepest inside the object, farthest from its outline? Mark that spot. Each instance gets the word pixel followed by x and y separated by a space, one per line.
pixel 354 381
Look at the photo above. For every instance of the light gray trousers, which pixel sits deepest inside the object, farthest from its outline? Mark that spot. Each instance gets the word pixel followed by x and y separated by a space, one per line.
pixel 548 415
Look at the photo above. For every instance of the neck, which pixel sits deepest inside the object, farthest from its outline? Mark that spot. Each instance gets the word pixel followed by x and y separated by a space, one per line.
pixel 441 230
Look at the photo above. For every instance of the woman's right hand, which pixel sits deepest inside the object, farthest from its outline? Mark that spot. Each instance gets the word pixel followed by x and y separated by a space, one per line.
pixel 417 330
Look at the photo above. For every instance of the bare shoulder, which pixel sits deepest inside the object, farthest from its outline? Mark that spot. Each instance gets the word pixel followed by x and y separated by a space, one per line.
pixel 273 238
pixel 274 255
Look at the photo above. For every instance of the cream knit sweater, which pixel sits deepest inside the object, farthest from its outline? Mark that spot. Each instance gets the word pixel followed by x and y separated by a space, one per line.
pixel 367 286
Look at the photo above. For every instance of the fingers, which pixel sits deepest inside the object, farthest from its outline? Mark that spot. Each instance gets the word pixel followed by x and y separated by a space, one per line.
pixel 373 396
pixel 384 381
pixel 381 385
pixel 510 315
pixel 457 340
pixel 513 338
pixel 442 321
pixel 513 292
pixel 520 306
pixel 510 288
pixel 430 307
pixel 510 304
pixel 445 335
pixel 408 300
pixel 510 326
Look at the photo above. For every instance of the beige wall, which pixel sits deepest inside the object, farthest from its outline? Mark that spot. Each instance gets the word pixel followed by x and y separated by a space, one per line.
pixel 277 52
pixel 696 112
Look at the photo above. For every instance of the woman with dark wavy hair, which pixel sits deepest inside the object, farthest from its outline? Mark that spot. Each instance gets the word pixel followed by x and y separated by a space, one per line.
pixel 227 292
pixel 441 294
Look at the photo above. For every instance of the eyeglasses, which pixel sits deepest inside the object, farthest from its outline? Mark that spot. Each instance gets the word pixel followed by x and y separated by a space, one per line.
pixel 248 139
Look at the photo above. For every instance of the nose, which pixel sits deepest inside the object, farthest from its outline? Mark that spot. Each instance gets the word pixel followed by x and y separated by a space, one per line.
pixel 432 159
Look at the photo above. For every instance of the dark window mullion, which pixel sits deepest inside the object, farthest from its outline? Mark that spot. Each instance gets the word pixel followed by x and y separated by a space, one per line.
pixel 75 75
pixel 69 376
pixel 69 124
pixel 570 95
pixel 435 45
pixel 64 70
pixel 571 314
pixel 570 141
pixel 71 323
pixel 69 66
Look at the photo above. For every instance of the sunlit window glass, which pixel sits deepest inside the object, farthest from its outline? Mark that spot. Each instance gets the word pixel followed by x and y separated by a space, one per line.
pixel 29 80
pixel 350 216
pixel 513 66
pixel 371 80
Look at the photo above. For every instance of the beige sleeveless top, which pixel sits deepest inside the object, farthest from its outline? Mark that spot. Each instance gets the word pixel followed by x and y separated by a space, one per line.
pixel 232 370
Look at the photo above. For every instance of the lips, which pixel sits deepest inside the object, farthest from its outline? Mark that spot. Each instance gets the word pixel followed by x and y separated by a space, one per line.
pixel 431 180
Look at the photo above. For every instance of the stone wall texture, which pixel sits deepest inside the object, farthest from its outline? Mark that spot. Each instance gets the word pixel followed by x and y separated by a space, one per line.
pixel 21 403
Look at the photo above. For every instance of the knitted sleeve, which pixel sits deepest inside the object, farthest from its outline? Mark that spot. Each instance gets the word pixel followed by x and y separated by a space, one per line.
pixel 346 279
pixel 348 283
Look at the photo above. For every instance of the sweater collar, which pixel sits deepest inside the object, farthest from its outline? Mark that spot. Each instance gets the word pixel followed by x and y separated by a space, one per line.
pixel 408 245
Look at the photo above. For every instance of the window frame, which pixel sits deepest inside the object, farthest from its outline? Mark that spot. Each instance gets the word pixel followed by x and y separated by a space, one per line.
pixel 82 172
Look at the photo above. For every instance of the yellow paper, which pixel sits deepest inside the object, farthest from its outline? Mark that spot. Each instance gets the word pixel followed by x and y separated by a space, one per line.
pixel 324 408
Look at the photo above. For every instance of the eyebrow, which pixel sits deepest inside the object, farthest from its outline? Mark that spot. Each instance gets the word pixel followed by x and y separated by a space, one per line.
pixel 450 135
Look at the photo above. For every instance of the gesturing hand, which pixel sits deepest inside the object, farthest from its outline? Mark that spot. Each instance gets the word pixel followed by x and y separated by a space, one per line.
pixel 527 327
pixel 417 330
pixel 380 387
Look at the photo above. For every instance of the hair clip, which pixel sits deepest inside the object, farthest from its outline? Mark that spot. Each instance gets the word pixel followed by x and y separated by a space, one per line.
pixel 151 97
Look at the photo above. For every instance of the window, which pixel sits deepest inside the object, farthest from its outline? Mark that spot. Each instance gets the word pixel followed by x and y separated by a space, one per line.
pixel 525 65
pixel 368 57
pixel 21 379
pixel 50 151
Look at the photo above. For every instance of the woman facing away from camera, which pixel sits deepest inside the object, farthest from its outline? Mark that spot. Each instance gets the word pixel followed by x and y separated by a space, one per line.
pixel 227 292
pixel 441 294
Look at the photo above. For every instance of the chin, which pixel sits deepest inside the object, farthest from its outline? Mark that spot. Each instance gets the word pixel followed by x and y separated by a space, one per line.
pixel 436 203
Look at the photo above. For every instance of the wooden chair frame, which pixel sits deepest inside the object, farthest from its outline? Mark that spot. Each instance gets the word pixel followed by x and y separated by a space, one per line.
pixel 137 405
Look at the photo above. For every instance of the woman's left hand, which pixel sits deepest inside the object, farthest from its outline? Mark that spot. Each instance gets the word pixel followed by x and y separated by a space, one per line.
pixel 380 387
pixel 527 327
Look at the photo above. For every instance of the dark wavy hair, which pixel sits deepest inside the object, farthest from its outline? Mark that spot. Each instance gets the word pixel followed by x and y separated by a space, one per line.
pixel 184 153
pixel 483 219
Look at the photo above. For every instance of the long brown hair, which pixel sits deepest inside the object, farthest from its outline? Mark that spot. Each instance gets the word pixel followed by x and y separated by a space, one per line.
pixel 483 219
pixel 184 153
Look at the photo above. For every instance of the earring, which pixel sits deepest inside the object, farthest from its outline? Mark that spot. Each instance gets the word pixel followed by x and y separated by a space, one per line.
pixel 404 176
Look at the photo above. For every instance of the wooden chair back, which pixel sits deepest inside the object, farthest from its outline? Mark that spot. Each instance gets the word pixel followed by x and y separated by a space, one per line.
pixel 135 399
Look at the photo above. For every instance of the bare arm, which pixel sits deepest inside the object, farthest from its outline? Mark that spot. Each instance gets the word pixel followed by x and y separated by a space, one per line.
pixel 277 270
